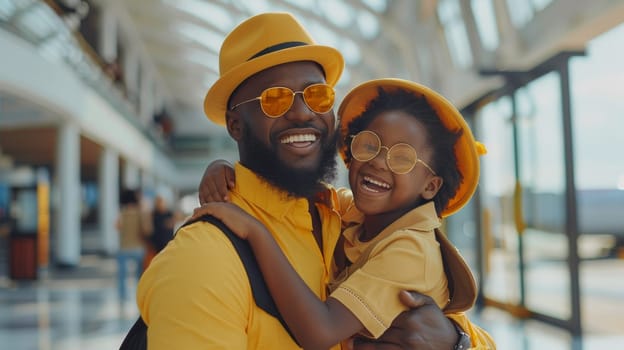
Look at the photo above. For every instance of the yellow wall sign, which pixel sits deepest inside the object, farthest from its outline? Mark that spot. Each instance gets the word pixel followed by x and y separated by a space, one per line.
pixel 43 223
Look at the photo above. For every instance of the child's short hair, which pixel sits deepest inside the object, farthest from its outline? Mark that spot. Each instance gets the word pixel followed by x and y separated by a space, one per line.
pixel 439 138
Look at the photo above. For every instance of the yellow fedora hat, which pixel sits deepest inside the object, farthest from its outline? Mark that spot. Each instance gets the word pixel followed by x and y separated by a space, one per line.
pixel 467 150
pixel 260 42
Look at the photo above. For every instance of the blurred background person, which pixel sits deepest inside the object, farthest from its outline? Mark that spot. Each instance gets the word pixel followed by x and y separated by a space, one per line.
pixel 162 224
pixel 134 228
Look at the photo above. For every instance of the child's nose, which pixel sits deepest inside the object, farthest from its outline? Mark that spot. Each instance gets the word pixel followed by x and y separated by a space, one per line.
pixel 380 161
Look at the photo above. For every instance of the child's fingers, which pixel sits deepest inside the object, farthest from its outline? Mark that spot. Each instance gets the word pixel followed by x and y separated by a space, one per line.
pixel 204 193
pixel 199 212
pixel 230 177
pixel 212 208
pixel 218 178
pixel 212 191
pixel 217 190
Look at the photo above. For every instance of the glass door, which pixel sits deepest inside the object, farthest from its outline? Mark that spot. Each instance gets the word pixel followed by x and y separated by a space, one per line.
pixel 501 276
pixel 530 260
pixel 541 198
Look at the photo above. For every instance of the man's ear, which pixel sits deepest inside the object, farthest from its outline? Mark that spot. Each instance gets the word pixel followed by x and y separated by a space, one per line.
pixel 432 187
pixel 234 124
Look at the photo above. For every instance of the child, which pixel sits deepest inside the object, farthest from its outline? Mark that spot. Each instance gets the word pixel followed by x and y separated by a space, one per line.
pixel 412 159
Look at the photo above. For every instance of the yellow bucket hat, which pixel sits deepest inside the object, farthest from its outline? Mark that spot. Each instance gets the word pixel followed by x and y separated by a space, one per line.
pixel 261 42
pixel 467 150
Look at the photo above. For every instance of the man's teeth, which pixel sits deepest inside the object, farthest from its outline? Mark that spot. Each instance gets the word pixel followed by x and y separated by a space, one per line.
pixel 377 183
pixel 299 138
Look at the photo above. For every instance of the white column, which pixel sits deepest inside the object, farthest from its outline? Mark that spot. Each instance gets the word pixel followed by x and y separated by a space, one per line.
pixel 474 40
pixel 67 233
pixel 148 181
pixel 146 99
pixel 148 190
pixel 108 35
pixel 131 68
pixel 131 176
pixel 508 35
pixel 108 210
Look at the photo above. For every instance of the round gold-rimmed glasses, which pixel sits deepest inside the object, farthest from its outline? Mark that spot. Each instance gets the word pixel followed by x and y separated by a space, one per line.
pixel 401 158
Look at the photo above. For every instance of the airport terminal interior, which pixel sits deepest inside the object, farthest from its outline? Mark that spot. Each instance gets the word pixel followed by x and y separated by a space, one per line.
pixel 101 96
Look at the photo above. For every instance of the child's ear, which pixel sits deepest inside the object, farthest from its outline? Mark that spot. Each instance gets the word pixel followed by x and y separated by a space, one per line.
pixel 234 124
pixel 432 187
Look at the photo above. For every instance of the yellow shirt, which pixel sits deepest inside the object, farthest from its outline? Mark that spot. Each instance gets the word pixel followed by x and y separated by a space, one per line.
pixel 196 294
pixel 480 339
pixel 404 256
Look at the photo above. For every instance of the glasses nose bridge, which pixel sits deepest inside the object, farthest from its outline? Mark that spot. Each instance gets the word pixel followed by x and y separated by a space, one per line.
pixel 382 147
pixel 379 155
pixel 306 108
pixel 294 96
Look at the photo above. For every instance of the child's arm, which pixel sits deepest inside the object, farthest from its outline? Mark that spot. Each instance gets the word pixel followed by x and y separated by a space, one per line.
pixel 219 179
pixel 315 324
pixel 216 182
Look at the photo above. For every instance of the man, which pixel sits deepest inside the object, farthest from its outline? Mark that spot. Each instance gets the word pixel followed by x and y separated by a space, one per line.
pixel 196 293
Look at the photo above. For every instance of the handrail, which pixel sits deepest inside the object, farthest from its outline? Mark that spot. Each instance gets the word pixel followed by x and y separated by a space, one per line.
pixel 518 209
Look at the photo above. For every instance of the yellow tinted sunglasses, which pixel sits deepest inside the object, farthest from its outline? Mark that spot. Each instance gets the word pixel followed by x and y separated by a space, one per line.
pixel 276 101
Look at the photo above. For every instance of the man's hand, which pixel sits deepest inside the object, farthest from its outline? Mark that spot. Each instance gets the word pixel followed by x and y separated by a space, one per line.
pixel 216 182
pixel 423 327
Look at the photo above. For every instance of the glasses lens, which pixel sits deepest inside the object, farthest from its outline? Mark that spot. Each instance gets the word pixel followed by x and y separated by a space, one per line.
pixel 319 97
pixel 276 101
pixel 402 158
pixel 365 146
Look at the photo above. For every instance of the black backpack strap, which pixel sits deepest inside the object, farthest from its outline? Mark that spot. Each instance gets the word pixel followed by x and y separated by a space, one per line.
pixel 136 339
pixel 259 289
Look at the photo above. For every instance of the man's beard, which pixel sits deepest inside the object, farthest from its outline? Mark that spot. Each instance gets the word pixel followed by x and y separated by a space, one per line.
pixel 297 182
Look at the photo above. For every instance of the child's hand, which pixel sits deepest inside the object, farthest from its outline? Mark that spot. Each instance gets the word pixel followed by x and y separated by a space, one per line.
pixel 216 183
pixel 241 223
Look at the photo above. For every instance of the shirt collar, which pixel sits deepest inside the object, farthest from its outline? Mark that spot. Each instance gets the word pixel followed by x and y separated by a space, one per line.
pixel 272 199
pixel 423 218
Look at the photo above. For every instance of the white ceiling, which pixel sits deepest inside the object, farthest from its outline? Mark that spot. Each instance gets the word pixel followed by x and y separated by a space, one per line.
pixel 182 38
pixel 178 43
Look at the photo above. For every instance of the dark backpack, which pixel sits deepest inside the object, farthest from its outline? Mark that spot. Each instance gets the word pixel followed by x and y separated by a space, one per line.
pixel 136 339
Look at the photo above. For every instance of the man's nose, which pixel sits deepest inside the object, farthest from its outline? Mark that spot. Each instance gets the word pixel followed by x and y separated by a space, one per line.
pixel 299 111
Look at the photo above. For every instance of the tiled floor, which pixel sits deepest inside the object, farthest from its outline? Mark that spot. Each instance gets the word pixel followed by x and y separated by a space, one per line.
pixel 79 309
pixel 68 309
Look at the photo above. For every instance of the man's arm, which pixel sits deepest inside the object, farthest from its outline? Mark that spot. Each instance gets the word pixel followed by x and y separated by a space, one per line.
pixel 195 294
pixel 480 339
pixel 425 327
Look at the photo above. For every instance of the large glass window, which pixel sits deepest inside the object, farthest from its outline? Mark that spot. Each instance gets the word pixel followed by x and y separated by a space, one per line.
pixel 501 262
pixel 485 19
pixel 524 200
pixel 598 113
pixel 598 110
pixel 522 11
pixel 542 177
pixel 451 19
